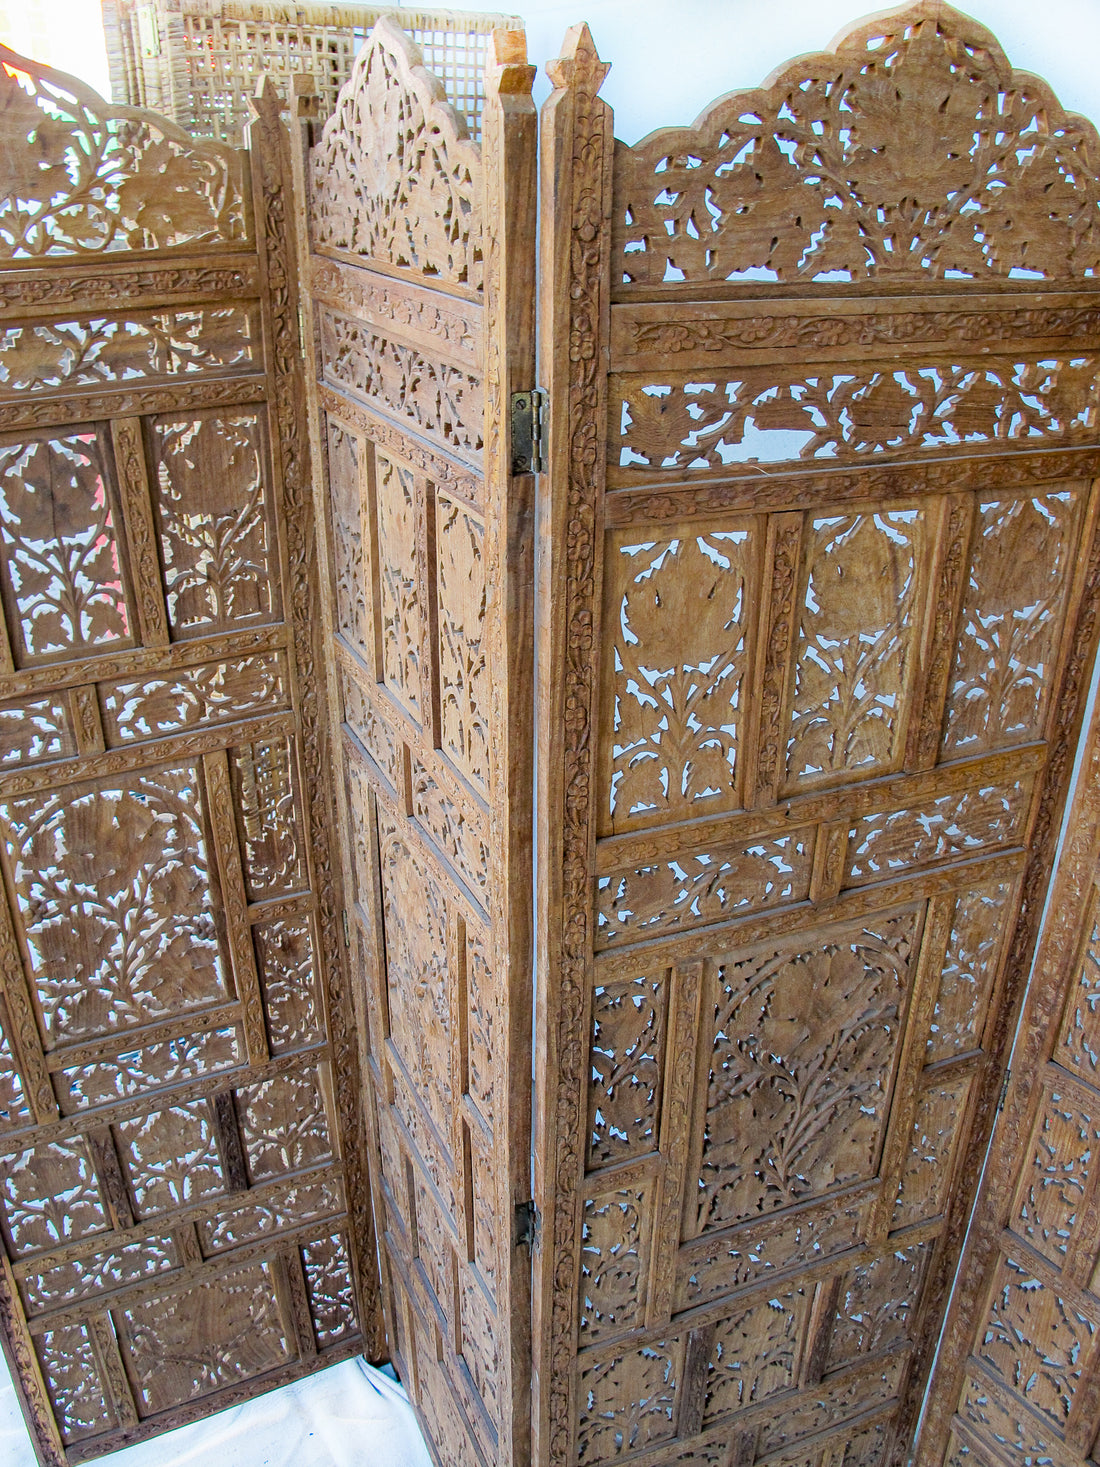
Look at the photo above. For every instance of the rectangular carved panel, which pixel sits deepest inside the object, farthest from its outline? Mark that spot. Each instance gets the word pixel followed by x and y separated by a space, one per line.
pixel 183 1213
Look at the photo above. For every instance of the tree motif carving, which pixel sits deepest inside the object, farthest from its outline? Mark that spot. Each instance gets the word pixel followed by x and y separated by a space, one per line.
pixel 853 650
pixel 628 1402
pixel 803 1043
pixel 969 969
pixel 331 1296
pixel 284 956
pixel 1011 620
pixel 50 1196
pixel 73 1382
pixel 613 1257
pixel 118 934
pixel 418 979
pixel 394 177
pixel 284 1125
pixel 211 502
pixel 824 173
pixel 463 674
pixel 86 177
pixel 59 547
pixel 399 608
pixel 171 1157
pixel 225 1330
pixel 755 1353
pixel 627 1060
pixel 1036 1341
pixel 877 1304
pixel 678 616
pixel 926 1173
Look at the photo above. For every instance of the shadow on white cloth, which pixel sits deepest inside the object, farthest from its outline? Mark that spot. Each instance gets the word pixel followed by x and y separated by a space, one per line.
pixel 349 1415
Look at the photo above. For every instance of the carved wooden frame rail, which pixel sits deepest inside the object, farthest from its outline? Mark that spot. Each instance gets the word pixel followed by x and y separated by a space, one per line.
pixel 818 599
pixel 421 312
pixel 184 1210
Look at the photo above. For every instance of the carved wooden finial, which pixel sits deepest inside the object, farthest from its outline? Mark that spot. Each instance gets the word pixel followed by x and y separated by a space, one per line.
pixel 579 61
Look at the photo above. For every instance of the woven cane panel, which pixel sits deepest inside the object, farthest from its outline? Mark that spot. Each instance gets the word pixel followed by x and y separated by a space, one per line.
pixel 200 62
pixel 820 613
pixel 178 1221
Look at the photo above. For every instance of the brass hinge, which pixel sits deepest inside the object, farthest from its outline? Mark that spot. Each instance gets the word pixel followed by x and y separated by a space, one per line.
pixel 302 332
pixel 1004 1091
pixel 527 1229
pixel 347 928
pixel 526 417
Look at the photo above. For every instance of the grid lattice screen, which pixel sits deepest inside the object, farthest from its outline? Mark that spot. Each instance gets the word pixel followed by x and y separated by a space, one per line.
pixel 198 61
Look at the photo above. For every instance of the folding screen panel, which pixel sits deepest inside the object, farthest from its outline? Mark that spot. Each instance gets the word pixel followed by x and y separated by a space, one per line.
pixel 421 274
pixel 1019 1367
pixel 817 600
pixel 183 1207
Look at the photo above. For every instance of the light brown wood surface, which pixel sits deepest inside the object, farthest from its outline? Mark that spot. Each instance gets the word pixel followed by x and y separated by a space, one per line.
pixel 184 1210
pixel 421 273
pixel 818 599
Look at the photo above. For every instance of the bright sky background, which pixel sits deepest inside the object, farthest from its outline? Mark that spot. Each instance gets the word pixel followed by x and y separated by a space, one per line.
pixel 669 57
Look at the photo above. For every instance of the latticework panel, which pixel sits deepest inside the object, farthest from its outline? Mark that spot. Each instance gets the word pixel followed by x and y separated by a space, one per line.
pixel 200 62
pixel 183 1214
pixel 421 315
pixel 819 607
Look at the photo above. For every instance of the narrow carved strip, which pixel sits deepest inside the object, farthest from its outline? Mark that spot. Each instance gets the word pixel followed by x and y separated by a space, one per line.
pixel 784 542
pixel 112 1372
pixel 141 535
pixel 224 826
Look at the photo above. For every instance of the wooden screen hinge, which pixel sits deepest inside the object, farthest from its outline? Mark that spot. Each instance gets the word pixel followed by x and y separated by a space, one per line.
pixel 302 332
pixel 527 1229
pixel 347 928
pixel 526 419
pixel 1004 1091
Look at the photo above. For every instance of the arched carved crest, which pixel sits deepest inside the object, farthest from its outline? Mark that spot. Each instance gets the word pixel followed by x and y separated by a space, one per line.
pixel 910 150
pixel 92 177
pixel 395 177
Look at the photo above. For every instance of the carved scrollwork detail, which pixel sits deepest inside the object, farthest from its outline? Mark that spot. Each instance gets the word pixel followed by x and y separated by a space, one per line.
pixel 828 172
pixel 395 177
pixel 92 178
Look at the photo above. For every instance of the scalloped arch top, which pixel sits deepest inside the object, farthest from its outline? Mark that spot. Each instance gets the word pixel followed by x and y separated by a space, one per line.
pixel 85 177
pixel 394 177
pixel 910 151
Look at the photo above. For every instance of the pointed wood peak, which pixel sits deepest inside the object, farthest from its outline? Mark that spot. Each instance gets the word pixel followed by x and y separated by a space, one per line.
pixel 579 61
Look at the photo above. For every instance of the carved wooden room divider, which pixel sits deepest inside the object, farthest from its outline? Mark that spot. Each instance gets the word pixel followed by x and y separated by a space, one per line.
pixel 1019 1360
pixel 818 601
pixel 184 1210
pixel 421 277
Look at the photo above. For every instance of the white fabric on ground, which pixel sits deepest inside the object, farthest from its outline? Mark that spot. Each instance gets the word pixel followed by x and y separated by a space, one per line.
pixel 349 1415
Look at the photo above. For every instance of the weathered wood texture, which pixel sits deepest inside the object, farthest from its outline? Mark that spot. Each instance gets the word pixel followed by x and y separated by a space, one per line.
pixel 421 275
pixel 184 1214
pixel 818 598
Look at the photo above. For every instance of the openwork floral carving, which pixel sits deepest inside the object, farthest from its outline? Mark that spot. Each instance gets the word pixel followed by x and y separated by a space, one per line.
pixel 90 177
pixel 394 176
pixel 825 174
